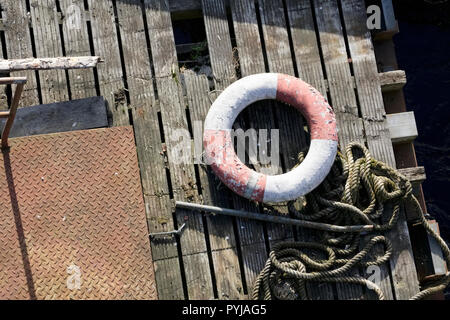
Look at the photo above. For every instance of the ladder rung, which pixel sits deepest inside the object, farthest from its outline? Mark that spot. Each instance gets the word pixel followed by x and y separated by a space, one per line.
pixel 13 80
pixel 4 114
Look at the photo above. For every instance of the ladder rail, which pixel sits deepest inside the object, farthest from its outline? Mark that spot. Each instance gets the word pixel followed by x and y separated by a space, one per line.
pixel 11 114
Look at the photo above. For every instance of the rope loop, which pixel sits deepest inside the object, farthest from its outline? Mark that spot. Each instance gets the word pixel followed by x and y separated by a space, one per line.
pixel 358 190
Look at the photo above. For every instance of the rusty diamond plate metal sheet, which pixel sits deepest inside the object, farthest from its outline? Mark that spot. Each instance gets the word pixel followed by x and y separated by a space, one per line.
pixel 72 218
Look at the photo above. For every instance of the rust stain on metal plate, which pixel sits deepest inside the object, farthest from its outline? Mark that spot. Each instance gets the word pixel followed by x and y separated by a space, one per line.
pixel 72 218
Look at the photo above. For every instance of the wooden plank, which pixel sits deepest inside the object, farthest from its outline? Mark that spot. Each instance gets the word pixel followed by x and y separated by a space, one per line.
pixel 151 157
pixel 392 80
pixel 222 237
pixel 251 58
pixel 415 175
pixel 343 100
pixel 110 75
pixel 150 149
pixel 402 127
pixel 18 44
pixel 305 44
pixel 338 73
pixel 437 256
pixel 45 22
pixel 251 61
pixel 72 115
pixel 219 42
pixel 76 43
pixel 220 229
pixel 290 122
pixel 252 243
pixel 136 56
pixel 367 81
pixel 173 113
pixel 167 289
pixel 378 139
pixel 307 55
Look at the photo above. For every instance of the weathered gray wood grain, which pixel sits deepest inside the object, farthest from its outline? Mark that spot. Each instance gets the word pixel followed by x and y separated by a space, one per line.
pixel 18 44
pixel 173 113
pixel 76 43
pixel 45 22
pixel 251 61
pixel 150 149
pixel 307 56
pixel 378 138
pixel 110 74
pixel 290 122
pixel 343 99
pixel 221 232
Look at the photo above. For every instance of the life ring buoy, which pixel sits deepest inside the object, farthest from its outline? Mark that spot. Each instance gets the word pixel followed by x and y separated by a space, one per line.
pixel 219 148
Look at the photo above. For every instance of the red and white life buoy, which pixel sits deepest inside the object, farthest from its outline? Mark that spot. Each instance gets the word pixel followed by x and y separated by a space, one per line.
pixel 219 150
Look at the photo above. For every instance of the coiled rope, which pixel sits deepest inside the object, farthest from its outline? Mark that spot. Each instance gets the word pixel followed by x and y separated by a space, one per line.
pixel 357 190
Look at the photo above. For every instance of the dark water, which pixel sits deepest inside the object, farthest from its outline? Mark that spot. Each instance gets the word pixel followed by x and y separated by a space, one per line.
pixel 423 51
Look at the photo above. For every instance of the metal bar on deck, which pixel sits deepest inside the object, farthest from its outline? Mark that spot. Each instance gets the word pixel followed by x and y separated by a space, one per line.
pixel 274 219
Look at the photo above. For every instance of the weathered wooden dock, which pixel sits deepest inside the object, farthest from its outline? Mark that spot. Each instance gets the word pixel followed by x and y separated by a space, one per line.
pixel 324 42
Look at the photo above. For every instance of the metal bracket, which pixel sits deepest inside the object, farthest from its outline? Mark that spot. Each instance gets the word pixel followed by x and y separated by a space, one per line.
pixel 169 233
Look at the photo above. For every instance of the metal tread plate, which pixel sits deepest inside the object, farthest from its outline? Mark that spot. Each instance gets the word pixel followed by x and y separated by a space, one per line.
pixel 72 218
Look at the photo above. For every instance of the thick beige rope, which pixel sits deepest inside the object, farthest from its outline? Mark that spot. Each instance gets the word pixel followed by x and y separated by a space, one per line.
pixel 357 191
